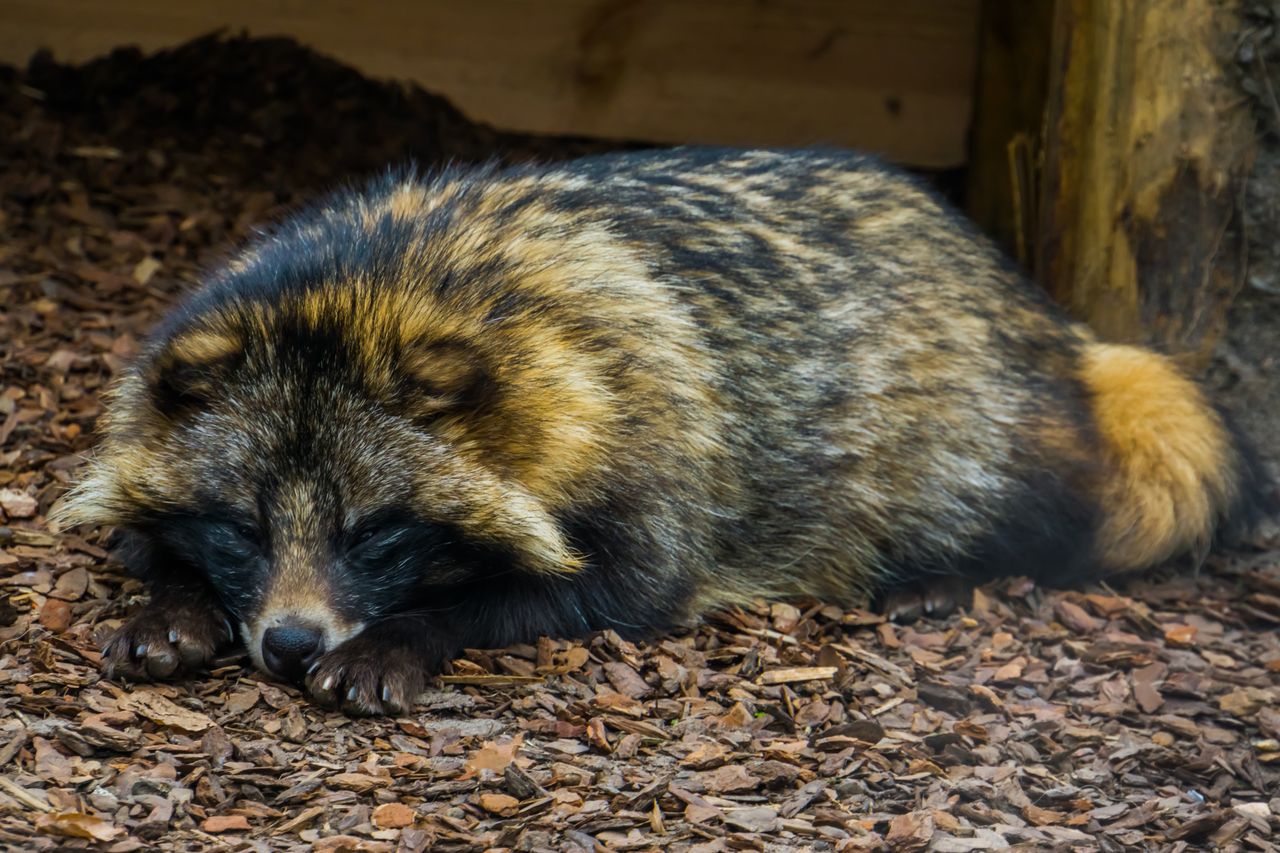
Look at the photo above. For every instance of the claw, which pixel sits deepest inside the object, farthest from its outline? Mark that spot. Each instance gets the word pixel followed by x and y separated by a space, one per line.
pixel 368 676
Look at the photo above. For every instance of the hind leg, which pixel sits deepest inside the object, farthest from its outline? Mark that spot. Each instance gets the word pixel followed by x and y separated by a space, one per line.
pixel 936 598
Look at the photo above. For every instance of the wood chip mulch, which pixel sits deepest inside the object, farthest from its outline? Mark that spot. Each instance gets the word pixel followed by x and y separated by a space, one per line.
pixel 1143 717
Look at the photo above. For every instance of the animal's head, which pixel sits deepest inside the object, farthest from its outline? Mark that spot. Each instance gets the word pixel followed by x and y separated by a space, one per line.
pixel 328 442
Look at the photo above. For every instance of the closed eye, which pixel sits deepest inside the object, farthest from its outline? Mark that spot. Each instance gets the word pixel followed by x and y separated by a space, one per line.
pixel 363 536
pixel 379 537
pixel 223 545
pixel 234 537
pixel 247 533
pixel 373 541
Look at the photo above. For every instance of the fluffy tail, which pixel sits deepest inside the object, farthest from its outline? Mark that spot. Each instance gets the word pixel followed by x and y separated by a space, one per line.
pixel 1175 472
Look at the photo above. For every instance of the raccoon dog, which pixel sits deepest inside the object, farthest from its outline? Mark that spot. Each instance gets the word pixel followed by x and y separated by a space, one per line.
pixel 472 408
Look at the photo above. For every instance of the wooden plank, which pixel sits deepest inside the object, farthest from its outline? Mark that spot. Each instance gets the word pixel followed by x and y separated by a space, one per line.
pixel 1012 89
pixel 895 78
pixel 1147 151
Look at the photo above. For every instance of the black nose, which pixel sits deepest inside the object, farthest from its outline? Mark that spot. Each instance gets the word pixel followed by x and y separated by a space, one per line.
pixel 289 649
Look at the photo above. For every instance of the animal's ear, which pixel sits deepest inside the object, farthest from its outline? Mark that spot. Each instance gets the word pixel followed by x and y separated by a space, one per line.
pixel 190 368
pixel 447 376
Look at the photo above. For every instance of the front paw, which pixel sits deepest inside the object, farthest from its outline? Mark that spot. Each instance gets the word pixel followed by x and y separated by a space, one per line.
pixel 368 675
pixel 165 639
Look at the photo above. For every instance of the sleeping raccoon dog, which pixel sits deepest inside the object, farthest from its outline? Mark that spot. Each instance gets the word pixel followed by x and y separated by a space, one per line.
pixel 472 408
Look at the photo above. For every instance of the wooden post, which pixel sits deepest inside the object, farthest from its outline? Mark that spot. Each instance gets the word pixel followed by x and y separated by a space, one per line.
pixel 1147 149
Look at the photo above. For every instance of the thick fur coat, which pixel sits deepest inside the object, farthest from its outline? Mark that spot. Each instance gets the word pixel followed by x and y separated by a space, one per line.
pixel 470 408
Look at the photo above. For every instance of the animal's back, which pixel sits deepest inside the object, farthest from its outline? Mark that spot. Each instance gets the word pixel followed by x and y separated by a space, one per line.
pixel 890 385
pixel 900 400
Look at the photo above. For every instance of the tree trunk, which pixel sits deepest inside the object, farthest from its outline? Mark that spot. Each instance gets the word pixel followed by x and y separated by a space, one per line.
pixel 1147 149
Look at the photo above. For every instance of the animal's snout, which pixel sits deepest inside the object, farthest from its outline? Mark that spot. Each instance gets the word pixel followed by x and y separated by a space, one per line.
pixel 288 650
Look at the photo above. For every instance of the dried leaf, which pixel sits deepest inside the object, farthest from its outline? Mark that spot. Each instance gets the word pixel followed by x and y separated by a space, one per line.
pixel 216 745
pixel 626 680
pixel 145 269
pixel 1042 817
pixel 1011 671
pixel 798 673
pixel 1245 701
pixel 730 779
pixel 225 823
pixel 1074 617
pixel 55 615
pixel 242 700
pixel 17 504
pixel 71 586
pixel 610 700
pixel 754 819
pixel 1144 687
pixel 77 825
pixel 147 703
pixel 569 660
pixel 493 756
pixel 911 831
pixel 705 756
pixel 393 816
pixel 51 764
pixel 293 727
pixel 358 782
pixel 499 804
